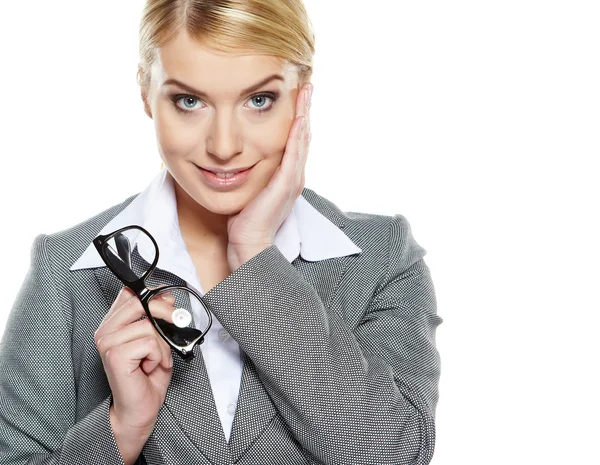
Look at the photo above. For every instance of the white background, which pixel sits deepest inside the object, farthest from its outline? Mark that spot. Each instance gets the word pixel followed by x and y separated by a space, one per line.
pixel 477 120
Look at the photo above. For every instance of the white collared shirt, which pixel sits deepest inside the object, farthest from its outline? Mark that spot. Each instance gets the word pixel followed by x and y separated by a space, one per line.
pixel 304 232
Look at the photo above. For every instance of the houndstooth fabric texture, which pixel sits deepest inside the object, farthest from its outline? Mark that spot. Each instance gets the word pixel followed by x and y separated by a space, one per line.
pixel 340 364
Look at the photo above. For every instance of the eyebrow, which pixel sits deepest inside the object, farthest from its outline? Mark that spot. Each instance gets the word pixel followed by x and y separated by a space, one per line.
pixel 252 88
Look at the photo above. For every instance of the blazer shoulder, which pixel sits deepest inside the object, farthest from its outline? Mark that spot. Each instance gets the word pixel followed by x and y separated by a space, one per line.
pixel 68 244
pixel 363 227
pixel 344 218
pixel 386 239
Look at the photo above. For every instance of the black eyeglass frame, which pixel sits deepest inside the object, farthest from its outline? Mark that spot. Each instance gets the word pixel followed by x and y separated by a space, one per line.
pixel 138 286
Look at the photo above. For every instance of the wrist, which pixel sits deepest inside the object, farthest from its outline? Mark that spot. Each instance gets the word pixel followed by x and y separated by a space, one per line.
pixel 238 255
pixel 130 440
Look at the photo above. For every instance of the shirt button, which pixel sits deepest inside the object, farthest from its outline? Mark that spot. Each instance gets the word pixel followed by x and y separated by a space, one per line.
pixel 223 335
pixel 231 408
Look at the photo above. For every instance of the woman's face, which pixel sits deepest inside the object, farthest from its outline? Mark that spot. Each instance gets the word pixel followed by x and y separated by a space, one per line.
pixel 214 111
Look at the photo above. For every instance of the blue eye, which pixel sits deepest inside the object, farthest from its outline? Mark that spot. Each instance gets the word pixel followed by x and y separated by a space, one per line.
pixel 261 101
pixel 187 102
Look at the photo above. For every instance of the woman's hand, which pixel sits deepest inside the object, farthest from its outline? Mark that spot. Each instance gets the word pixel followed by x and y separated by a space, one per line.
pixel 137 362
pixel 253 229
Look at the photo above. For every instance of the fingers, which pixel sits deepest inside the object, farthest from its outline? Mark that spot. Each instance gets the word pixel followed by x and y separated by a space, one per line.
pixel 123 324
pixel 139 330
pixel 124 296
pixel 296 152
pixel 303 115
pixel 132 310
pixel 307 131
pixel 126 358
pixel 303 100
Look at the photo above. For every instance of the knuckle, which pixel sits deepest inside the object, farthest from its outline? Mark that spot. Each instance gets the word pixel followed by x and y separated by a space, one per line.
pixel 134 307
pixel 101 345
pixel 152 342
pixel 122 297
pixel 133 302
pixel 127 292
pixel 112 357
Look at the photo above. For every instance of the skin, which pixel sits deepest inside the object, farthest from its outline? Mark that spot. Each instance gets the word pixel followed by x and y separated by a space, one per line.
pixel 226 130
pixel 223 129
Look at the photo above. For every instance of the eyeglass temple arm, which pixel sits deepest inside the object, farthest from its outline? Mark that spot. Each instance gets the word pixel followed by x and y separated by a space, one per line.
pixel 123 249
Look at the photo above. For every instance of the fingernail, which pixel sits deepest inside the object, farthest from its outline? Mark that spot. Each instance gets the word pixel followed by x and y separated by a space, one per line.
pixel 310 91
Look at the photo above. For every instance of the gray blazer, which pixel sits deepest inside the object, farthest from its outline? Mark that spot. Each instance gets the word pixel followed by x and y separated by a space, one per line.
pixel 340 364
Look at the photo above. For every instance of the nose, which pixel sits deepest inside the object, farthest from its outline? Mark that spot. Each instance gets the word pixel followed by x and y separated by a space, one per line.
pixel 224 139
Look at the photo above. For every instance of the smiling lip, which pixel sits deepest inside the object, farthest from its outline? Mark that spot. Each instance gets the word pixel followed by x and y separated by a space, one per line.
pixel 231 170
pixel 225 184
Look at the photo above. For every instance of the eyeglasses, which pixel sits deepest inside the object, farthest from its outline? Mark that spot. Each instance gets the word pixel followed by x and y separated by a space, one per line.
pixel 131 253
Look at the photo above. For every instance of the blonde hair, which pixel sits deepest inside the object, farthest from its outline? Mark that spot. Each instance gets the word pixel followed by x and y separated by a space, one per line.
pixel 279 28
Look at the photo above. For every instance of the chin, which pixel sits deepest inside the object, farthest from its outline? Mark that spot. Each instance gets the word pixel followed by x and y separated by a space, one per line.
pixel 222 203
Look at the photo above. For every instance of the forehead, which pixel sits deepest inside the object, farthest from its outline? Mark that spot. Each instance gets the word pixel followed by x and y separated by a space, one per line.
pixel 189 61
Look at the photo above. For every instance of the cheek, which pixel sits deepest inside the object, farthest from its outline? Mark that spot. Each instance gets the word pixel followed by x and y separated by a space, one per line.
pixel 174 135
pixel 270 139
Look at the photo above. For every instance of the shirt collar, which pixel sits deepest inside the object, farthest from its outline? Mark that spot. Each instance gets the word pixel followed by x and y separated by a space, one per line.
pixel 305 231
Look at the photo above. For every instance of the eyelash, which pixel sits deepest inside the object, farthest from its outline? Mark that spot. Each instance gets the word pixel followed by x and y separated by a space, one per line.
pixel 176 98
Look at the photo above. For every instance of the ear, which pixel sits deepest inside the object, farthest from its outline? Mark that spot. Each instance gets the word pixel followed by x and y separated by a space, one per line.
pixel 144 95
pixel 144 92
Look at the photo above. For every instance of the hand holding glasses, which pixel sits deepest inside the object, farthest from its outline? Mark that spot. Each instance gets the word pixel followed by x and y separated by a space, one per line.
pixel 131 253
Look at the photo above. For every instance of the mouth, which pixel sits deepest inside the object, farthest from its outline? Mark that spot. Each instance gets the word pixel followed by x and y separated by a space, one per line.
pixel 226 173
pixel 225 180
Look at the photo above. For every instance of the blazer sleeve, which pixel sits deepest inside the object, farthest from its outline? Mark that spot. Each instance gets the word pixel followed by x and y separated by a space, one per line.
pixel 349 395
pixel 37 387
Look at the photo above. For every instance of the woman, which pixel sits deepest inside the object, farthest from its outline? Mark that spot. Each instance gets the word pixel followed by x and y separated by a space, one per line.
pixel 322 344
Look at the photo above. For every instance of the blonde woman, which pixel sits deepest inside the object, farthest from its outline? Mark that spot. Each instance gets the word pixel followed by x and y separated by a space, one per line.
pixel 291 333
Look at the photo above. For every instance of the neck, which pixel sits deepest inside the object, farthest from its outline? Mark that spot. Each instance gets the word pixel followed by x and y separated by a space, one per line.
pixel 200 228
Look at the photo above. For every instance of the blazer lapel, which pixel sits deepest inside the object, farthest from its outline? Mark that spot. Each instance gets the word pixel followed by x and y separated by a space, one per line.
pixel 253 413
pixel 189 401
pixel 254 409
